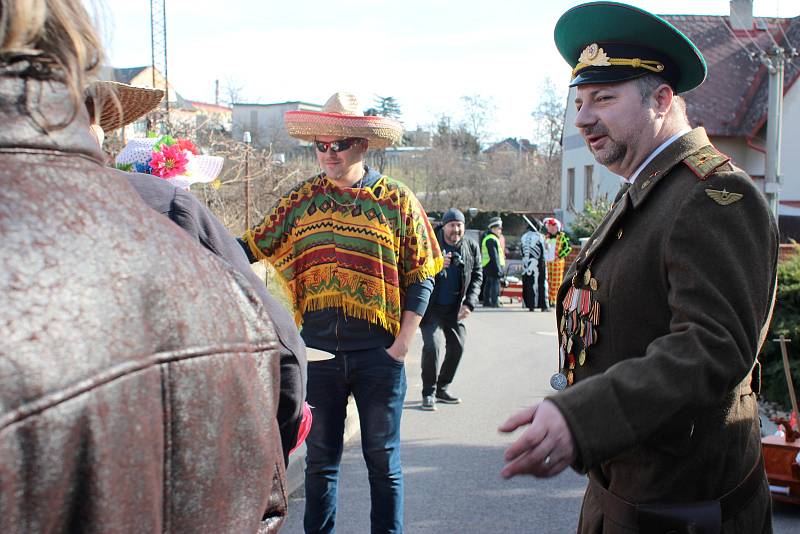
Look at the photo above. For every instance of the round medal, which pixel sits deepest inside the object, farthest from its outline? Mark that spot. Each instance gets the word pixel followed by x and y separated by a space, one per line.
pixel 558 381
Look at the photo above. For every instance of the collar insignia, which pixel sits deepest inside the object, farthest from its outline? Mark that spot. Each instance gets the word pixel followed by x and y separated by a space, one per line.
pixel 723 198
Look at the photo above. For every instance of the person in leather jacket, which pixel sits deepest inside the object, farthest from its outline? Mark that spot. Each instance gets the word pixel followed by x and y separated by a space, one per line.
pixel 138 372
pixel 455 295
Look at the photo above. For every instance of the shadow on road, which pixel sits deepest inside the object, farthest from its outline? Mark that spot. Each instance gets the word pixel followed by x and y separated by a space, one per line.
pixel 456 488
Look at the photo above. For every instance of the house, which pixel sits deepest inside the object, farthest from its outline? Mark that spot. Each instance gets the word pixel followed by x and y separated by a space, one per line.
pixel 265 124
pixel 512 145
pixel 731 105
pixel 183 113
pixel 214 115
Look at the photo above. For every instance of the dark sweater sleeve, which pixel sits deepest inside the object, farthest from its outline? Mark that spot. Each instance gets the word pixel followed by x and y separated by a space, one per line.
pixel 476 278
pixel 418 295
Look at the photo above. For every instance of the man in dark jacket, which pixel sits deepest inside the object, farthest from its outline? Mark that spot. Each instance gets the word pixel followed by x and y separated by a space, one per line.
pixel 455 295
pixel 664 311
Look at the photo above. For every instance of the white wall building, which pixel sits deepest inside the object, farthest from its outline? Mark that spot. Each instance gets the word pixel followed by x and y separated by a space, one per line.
pixel 265 123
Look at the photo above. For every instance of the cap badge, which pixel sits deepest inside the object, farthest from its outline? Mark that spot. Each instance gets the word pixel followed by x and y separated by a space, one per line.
pixel 594 55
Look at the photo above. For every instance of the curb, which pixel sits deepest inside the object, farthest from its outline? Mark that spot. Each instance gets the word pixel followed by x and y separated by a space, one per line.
pixel 295 472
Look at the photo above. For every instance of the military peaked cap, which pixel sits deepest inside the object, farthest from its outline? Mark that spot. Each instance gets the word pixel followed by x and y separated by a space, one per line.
pixel 608 42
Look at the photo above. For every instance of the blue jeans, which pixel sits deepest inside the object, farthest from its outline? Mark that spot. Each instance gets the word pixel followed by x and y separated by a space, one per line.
pixel 378 384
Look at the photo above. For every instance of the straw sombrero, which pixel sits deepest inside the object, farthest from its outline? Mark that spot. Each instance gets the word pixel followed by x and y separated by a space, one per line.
pixel 134 102
pixel 342 117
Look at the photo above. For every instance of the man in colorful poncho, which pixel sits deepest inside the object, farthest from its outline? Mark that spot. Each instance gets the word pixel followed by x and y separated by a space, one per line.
pixel 358 255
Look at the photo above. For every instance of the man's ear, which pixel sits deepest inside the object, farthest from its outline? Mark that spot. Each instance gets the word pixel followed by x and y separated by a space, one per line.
pixel 662 99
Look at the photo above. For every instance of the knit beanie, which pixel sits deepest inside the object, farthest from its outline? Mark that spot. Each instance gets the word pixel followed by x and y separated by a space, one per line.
pixel 453 214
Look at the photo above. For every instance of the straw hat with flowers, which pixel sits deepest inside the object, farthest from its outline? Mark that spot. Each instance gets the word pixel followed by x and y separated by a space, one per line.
pixel 342 117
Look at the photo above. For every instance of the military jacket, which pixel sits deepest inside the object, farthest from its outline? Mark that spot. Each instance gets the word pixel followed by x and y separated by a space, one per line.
pixel 683 271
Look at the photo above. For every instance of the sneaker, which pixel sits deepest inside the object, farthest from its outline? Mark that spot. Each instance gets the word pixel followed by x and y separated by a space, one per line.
pixel 428 403
pixel 445 397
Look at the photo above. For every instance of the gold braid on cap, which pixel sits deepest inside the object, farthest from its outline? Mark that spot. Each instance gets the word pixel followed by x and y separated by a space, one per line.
pixel 594 56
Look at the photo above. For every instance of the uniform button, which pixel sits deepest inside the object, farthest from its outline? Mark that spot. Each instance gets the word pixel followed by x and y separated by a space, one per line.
pixel 619 233
pixel 645 184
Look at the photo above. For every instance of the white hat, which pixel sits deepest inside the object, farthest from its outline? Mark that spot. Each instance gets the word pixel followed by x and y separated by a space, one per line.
pixel 189 167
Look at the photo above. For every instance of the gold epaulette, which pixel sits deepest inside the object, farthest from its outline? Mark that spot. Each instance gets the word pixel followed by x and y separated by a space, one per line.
pixel 705 161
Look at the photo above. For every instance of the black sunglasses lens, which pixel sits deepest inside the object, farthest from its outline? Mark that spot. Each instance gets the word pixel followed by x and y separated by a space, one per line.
pixel 341 145
pixel 322 147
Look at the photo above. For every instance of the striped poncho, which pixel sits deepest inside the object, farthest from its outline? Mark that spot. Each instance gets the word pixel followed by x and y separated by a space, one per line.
pixel 354 249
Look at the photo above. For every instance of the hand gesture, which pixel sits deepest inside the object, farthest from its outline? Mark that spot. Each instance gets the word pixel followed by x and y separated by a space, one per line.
pixel 545 448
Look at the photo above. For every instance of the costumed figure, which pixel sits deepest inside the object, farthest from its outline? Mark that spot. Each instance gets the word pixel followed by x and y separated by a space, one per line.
pixel 662 315
pixel 556 249
pixel 534 275
pixel 358 256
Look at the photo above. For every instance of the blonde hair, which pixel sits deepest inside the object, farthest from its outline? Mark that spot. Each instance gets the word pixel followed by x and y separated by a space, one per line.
pixel 56 37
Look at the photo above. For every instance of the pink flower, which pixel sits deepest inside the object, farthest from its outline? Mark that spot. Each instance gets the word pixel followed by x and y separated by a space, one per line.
pixel 185 144
pixel 169 161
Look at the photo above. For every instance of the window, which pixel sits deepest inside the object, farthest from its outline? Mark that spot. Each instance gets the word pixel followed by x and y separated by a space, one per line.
pixel 587 179
pixel 570 189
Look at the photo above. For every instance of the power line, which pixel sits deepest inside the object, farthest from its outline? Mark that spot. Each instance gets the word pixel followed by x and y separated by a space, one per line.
pixel 750 54
pixel 739 21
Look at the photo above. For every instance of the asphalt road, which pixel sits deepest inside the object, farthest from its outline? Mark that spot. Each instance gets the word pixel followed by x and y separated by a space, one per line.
pixel 452 457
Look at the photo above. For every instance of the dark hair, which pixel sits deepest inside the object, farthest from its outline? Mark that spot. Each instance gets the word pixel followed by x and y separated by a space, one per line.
pixel 648 83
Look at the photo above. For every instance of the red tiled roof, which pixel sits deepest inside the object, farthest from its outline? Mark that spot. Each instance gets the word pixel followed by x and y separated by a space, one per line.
pixel 733 100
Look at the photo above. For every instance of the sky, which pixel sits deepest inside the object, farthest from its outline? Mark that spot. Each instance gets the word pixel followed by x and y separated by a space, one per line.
pixel 427 54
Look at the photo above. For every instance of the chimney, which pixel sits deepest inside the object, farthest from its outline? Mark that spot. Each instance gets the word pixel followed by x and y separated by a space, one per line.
pixel 742 14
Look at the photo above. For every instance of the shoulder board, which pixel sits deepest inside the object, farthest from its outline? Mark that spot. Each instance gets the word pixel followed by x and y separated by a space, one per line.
pixel 705 161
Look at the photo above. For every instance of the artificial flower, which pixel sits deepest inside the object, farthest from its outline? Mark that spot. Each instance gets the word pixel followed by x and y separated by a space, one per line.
pixel 169 161
pixel 185 144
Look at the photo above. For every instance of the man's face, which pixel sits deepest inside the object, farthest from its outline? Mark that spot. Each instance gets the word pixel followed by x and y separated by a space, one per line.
pixel 337 164
pixel 496 230
pixel 613 121
pixel 453 232
pixel 552 228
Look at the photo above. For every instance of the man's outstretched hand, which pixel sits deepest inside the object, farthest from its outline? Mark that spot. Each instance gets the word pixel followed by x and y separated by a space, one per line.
pixel 545 448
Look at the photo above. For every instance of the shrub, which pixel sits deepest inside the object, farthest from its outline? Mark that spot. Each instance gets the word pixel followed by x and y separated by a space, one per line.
pixel 585 222
pixel 786 321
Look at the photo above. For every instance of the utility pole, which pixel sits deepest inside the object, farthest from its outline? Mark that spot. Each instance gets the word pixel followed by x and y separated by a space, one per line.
pixel 158 51
pixel 247 140
pixel 774 60
pixel 216 92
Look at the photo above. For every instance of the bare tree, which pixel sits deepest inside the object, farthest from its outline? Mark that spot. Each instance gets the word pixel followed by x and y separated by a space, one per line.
pixel 478 114
pixel 233 91
pixel 549 120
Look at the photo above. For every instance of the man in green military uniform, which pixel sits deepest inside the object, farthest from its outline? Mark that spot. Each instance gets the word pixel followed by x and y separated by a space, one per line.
pixel 663 313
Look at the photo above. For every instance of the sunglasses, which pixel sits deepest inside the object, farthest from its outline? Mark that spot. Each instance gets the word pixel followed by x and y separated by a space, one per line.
pixel 339 145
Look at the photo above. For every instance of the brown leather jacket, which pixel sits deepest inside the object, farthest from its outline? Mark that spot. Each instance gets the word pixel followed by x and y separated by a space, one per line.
pixel 138 373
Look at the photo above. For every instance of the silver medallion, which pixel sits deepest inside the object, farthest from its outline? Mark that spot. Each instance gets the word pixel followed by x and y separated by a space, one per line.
pixel 558 381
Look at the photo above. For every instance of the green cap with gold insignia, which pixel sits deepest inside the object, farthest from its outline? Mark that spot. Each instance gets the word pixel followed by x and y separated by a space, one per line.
pixel 608 42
